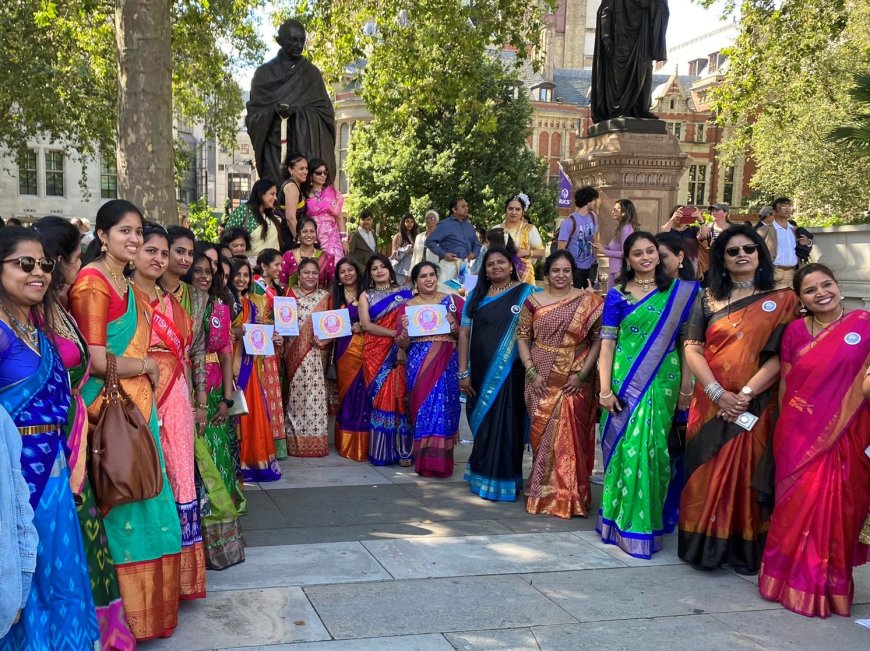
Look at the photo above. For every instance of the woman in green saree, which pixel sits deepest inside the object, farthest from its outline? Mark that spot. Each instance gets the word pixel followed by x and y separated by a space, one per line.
pixel 641 381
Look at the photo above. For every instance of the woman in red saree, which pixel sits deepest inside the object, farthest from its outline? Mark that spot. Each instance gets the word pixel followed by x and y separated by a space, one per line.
pixel 822 474
pixel 558 344
pixel 257 443
pixel 732 347
pixel 391 440
pixel 170 344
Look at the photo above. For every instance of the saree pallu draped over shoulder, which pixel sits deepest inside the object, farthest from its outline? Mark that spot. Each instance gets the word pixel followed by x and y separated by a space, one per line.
pixel 497 413
pixel 145 536
pixel 822 473
pixel 727 467
pixel 562 427
pixel 433 396
pixel 634 442
pixel 391 440
pixel 170 344
pixel 58 612
pixel 354 409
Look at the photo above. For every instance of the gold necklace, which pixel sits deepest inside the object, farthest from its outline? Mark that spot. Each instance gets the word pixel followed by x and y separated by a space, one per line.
pixel 422 301
pixel 825 325
pixel 350 297
pixel 644 285
pixel 498 290
pixel 743 316
pixel 122 289
pixel 29 330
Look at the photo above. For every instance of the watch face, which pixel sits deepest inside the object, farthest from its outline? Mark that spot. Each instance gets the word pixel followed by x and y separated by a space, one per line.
pixel 746 390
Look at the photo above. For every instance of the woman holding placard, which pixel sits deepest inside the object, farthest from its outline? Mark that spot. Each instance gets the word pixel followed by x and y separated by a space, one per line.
pixel 268 367
pixel 352 419
pixel 257 445
pixel 305 361
pixel 433 388
pixel 491 376
pixel 391 439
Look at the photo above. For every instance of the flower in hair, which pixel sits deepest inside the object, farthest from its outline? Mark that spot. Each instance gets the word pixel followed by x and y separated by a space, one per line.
pixel 523 198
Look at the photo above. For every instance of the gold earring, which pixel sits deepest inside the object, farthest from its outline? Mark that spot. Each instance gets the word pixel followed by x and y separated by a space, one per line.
pixel 104 248
pixel 131 265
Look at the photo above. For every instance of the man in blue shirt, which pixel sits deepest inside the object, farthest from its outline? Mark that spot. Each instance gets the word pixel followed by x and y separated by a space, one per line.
pixel 454 240
pixel 578 234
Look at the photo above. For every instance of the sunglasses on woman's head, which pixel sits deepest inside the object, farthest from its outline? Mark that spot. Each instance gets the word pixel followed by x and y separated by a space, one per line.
pixel 748 249
pixel 27 263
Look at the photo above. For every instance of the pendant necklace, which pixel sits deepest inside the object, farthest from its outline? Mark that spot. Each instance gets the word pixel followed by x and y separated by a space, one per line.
pixel 122 289
pixel 644 285
pixel 29 331
pixel 498 290
pixel 823 325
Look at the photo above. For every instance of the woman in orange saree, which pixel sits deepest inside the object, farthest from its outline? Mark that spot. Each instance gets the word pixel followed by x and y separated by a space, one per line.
pixel 558 341
pixel 732 347
pixel 822 474
pixel 170 343
pixel 352 418
pixel 305 361
pixel 144 536
pixel 257 443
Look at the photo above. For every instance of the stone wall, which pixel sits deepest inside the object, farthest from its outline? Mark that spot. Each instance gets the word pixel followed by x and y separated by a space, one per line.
pixel 846 250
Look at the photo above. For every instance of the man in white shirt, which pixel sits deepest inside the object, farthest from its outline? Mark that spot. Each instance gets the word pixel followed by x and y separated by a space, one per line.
pixel 781 238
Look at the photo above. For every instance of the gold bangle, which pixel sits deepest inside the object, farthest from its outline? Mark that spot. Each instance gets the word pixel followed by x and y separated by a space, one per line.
pixel 686 394
pixel 609 395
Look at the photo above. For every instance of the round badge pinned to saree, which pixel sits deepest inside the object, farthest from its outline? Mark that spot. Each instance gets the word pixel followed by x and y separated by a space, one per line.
pixel 400 298
pixel 768 306
pixel 215 322
pixel 515 309
pixel 852 338
pixel 452 307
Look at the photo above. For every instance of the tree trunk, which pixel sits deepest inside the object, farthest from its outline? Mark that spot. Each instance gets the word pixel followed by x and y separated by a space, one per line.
pixel 143 54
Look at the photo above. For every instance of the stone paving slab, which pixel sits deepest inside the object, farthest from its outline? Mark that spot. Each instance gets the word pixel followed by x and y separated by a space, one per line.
pixel 785 630
pixel 667 556
pixel 289 565
pixel 389 531
pixel 479 555
pixel 547 524
pixel 455 501
pixel 655 591
pixel 318 476
pixel 347 506
pixel 432 642
pixel 243 618
pixel 359 610
pixel 512 639
pixel 263 512
pixel 701 632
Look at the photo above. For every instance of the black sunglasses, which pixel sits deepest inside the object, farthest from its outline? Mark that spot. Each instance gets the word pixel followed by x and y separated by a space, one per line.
pixel 27 263
pixel 748 249
pixel 320 172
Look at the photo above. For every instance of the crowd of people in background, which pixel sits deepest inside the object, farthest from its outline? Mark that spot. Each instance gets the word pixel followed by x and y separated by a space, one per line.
pixel 703 364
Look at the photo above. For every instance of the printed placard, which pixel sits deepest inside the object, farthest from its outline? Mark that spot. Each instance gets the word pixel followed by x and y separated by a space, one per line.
pixel 331 324
pixel 427 320
pixel 470 283
pixel 258 339
pixel 286 316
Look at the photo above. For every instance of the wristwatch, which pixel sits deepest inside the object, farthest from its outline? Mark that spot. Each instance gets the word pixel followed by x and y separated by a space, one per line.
pixel 746 391
pixel 229 403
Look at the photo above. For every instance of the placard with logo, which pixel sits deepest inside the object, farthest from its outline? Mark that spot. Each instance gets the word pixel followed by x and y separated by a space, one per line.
pixel 427 320
pixel 331 324
pixel 258 339
pixel 286 316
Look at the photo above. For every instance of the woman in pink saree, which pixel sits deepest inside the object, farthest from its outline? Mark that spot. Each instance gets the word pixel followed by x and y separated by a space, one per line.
pixel 822 474
pixel 323 204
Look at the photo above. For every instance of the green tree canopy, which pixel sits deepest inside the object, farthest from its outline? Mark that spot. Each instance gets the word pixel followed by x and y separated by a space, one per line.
pixel 447 117
pixel 62 60
pixel 788 82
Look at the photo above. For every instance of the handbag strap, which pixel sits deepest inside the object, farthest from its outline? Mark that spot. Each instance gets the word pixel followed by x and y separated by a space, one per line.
pixel 114 389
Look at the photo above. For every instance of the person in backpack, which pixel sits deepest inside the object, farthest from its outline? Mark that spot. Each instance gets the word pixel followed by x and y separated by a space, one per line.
pixel 579 233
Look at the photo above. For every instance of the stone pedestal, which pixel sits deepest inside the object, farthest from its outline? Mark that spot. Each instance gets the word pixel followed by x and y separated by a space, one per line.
pixel 643 167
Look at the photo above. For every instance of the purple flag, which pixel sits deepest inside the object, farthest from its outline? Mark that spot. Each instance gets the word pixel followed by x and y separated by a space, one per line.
pixel 566 189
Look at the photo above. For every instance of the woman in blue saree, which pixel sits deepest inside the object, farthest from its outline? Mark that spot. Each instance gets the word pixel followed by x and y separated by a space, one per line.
pixel 493 384
pixel 391 439
pixel 641 380
pixel 34 388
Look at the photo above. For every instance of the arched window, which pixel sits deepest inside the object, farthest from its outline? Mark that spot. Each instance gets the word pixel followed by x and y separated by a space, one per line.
pixel 544 144
pixel 555 153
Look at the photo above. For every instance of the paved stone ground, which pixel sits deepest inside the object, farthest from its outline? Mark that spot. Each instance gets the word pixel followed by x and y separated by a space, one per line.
pixel 343 556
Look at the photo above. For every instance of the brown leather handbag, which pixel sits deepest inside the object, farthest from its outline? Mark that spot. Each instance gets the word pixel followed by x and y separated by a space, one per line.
pixel 125 466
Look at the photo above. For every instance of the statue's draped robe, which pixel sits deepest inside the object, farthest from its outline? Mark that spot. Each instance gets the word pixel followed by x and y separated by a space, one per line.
pixel 311 127
pixel 630 35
